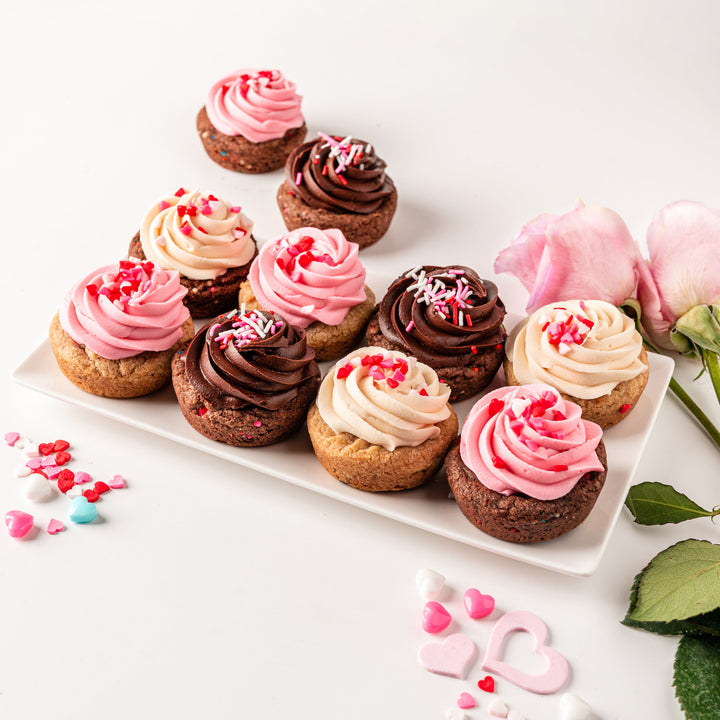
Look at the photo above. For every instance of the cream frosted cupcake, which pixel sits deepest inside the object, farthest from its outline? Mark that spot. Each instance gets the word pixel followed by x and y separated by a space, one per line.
pixel 315 279
pixel 588 350
pixel 382 421
pixel 206 239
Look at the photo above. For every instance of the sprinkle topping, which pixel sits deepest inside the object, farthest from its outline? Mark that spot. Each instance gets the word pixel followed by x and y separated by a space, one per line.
pixel 392 371
pixel 565 329
pixel 448 293
pixel 246 328
pixel 300 252
pixel 344 153
pixel 132 277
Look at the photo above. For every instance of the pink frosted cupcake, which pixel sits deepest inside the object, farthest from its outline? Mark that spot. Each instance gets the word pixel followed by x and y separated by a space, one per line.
pixel 315 280
pixel 118 328
pixel 527 467
pixel 251 121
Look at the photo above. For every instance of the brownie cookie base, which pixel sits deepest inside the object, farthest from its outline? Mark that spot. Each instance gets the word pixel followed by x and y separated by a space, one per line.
pixel 362 465
pixel 206 298
pixel 605 410
pixel 246 427
pixel 365 230
pixel 236 152
pixel 519 518
pixel 464 379
pixel 329 341
pixel 126 378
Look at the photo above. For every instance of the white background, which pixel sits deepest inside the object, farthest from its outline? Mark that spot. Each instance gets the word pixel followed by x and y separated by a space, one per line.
pixel 213 591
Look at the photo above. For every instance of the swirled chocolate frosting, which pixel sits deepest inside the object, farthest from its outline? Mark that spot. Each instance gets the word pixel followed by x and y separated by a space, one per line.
pixel 254 358
pixel 338 174
pixel 442 315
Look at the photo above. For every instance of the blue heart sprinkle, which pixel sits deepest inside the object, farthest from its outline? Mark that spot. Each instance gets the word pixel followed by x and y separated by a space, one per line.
pixel 82 511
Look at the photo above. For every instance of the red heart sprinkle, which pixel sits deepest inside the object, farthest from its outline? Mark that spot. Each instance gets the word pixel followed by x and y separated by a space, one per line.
pixel 45 448
pixel 487 684
pixel 60 445
pixel 62 457
pixel 100 487
pixel 66 474
pixel 64 484
pixel 91 495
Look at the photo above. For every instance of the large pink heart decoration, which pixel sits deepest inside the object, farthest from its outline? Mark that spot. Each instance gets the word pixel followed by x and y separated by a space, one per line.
pixel 556 672
pixel 18 523
pixel 451 657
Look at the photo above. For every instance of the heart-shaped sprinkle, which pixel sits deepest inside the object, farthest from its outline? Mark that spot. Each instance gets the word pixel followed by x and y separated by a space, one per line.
pixel 81 511
pixel 91 495
pixel 465 701
pixel 64 484
pixel 487 684
pixel 66 474
pixel 82 477
pixel 38 489
pixel 429 583
pixel 117 481
pixel 451 657
pixel 51 472
pixel 45 448
pixel 74 491
pixel 18 523
pixel 11 438
pixel 498 708
pixel 60 445
pixel 478 605
pixel 34 463
pixel 55 526
pixel 22 471
pixel 62 457
pixel 30 450
pixel 435 617
pixel 100 487
pixel 48 462
pixel 573 707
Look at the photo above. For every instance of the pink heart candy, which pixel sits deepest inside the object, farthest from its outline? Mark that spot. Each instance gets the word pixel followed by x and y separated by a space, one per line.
pixel 11 438
pixel 466 701
pixel 435 617
pixel 34 463
pixel 18 523
pixel 117 481
pixel 55 526
pixel 478 605
pixel 82 477
pixel 451 657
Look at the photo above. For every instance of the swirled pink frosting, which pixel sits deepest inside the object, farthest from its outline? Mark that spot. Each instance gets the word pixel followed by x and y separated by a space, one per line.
pixel 309 275
pixel 124 309
pixel 260 105
pixel 529 440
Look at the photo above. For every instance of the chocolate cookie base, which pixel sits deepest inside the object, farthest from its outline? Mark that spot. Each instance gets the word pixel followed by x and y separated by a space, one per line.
pixel 465 379
pixel 329 341
pixel 607 410
pixel 126 378
pixel 246 427
pixel 236 152
pixel 365 230
pixel 206 298
pixel 371 467
pixel 519 518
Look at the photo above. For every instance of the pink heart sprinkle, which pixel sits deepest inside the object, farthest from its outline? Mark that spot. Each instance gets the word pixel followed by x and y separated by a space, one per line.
pixel 435 617
pixel 117 481
pixel 478 605
pixel 11 438
pixel 18 523
pixel 465 701
pixel 55 526
pixel 82 477
pixel 52 472
pixel 34 463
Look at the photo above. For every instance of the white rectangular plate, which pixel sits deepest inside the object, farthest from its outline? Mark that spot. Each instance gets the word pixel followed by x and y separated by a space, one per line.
pixel 429 507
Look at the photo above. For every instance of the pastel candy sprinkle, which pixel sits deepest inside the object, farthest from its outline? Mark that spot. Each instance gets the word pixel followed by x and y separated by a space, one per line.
pixel 18 523
pixel 82 477
pixel 22 471
pixel 429 583
pixel 11 438
pixel 466 701
pixel 435 617
pixel 55 526
pixel 38 489
pixel 117 481
pixel 81 511
pixel 34 463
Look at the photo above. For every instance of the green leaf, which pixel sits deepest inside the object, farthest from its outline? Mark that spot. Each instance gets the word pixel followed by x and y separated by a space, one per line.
pixel 679 583
pixel 653 503
pixel 697 670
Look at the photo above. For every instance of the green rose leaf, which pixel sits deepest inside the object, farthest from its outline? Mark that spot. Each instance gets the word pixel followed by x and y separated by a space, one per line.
pixel 679 583
pixel 697 669
pixel 654 503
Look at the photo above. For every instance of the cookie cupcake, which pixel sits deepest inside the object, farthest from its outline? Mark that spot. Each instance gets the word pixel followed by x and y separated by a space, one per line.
pixel 314 279
pixel 588 350
pixel 246 379
pixel 119 327
pixel 528 467
pixel 206 239
pixel 251 121
pixel 337 182
pixel 381 421
pixel 450 319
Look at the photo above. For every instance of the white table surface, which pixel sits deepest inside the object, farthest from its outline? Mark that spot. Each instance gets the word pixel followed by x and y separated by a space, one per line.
pixel 214 591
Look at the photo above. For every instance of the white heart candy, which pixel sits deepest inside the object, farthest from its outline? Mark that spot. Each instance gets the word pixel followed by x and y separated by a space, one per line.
pixel 455 714
pixel 74 491
pixel 30 450
pixel 498 708
pixel 573 707
pixel 22 471
pixel 429 583
pixel 38 489
pixel 515 715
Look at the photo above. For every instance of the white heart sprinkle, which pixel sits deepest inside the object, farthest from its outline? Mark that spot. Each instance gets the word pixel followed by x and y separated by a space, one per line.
pixel 38 489
pixel 429 583
pixel 74 491
pixel 573 707
pixel 22 471
pixel 498 708
pixel 30 450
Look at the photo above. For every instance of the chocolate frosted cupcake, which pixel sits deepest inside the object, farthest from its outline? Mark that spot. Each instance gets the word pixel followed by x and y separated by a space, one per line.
pixel 246 379
pixel 206 239
pixel 338 183
pixel 448 318
pixel 251 121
